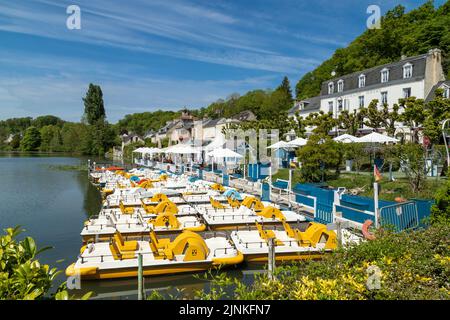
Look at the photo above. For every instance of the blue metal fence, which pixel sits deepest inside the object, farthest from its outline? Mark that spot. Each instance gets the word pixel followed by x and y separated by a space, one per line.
pixel 305 200
pixel 356 215
pixel 401 216
pixel 265 191
pixel 324 213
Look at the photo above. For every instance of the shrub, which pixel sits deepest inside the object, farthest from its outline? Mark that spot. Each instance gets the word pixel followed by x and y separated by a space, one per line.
pixel 315 165
pixel 411 265
pixel 22 277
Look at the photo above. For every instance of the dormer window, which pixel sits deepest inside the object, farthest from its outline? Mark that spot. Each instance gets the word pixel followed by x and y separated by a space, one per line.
pixel 362 81
pixel 301 106
pixel 340 85
pixel 384 75
pixel 407 71
pixel 447 92
pixel 331 88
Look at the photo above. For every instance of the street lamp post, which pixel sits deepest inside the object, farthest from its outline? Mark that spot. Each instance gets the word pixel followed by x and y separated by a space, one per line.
pixel 446 142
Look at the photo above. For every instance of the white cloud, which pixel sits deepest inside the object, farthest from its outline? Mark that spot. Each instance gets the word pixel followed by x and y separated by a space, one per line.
pixel 59 92
pixel 158 27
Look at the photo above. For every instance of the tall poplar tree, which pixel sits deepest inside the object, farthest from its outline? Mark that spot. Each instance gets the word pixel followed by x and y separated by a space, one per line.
pixel 94 108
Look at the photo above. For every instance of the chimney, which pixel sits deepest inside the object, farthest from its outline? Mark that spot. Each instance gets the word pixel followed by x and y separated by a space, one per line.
pixel 433 70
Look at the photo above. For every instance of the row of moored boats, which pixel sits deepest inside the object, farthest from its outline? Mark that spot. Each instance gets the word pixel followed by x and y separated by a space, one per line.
pixel 179 223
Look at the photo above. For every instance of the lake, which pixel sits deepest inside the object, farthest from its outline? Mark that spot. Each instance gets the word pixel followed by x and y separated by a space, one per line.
pixel 52 205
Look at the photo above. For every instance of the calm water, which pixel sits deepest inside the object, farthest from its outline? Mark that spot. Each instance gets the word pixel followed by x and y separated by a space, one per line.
pixel 52 204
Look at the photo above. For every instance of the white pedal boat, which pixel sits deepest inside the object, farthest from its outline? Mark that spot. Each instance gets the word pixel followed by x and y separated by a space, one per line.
pixel 229 219
pixel 189 252
pixel 135 226
pixel 290 245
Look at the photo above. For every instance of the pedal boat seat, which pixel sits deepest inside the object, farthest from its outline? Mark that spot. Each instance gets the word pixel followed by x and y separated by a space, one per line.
pixel 125 245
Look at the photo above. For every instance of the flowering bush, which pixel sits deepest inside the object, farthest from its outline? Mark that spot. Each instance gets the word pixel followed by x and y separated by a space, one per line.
pixel 407 265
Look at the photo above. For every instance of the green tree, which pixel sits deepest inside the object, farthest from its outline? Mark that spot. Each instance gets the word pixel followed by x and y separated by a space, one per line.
pixel 285 87
pixel 351 121
pixel 315 165
pixel 298 124
pixel 413 115
pixel 412 159
pixel 436 112
pixel 140 123
pixel 441 208
pixel 75 137
pixel 100 138
pixel 323 122
pixel 15 142
pixel 31 140
pixel 94 109
pixel 355 152
pixel 373 115
pixel 50 138
pixel 16 125
pixel 389 118
pixel 48 120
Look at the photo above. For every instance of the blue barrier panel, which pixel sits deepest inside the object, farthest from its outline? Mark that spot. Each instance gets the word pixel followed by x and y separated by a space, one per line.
pixel 255 172
pixel 280 184
pixel 401 216
pixel 323 196
pixel 324 213
pixel 354 215
pixel 263 170
pixel 265 192
pixel 299 198
pixel 363 203
pixel 423 209
pixel 250 170
pixel 301 190
pixel 355 202
pixel 225 180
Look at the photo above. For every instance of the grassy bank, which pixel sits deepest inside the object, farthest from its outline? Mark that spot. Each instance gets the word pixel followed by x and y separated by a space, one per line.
pixel 80 167
pixel 362 183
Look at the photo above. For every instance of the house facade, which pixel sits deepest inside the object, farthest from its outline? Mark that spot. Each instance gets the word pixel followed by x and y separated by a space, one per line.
pixel 417 76
pixel 130 138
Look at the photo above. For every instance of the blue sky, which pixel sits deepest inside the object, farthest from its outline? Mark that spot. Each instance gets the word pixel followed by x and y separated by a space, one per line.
pixel 164 54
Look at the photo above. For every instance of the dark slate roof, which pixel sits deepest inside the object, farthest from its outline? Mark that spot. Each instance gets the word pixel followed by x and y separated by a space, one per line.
pixel 311 104
pixel 167 127
pixel 246 115
pixel 373 76
pixel 212 123
pixel 432 94
pixel 126 138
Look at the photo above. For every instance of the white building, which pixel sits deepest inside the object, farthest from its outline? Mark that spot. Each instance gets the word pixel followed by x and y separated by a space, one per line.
pixel 414 76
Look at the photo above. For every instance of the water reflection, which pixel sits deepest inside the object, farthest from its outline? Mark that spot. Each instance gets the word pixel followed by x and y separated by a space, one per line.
pixel 92 202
